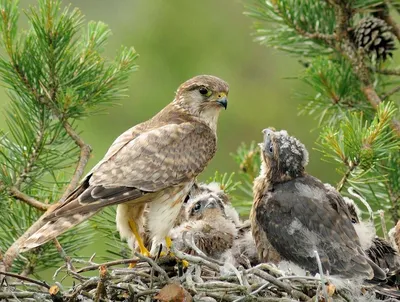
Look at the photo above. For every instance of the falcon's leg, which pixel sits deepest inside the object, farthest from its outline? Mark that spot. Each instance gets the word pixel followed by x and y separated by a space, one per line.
pixel 143 250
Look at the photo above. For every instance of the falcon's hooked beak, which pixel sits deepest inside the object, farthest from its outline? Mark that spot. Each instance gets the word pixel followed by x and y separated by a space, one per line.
pixel 222 100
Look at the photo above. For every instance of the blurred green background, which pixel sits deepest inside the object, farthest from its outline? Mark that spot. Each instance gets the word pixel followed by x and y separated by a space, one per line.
pixel 179 39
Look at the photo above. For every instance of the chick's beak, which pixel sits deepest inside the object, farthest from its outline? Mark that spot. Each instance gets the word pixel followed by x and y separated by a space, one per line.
pixel 211 205
pixel 223 100
pixel 267 138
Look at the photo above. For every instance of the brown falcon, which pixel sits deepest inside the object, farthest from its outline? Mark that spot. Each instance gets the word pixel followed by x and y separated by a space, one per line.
pixel 294 214
pixel 155 162
pixel 207 221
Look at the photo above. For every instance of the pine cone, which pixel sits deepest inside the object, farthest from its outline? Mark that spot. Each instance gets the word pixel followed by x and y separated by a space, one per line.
pixel 375 37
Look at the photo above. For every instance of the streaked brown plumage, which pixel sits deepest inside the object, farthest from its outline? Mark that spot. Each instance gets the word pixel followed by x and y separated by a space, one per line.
pixel 154 162
pixel 295 214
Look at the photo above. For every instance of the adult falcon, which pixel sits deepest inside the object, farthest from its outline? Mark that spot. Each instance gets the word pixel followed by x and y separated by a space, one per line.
pixel 294 214
pixel 153 163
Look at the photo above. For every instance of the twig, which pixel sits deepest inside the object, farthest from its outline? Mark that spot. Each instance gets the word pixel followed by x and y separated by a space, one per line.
pixel 299 278
pixel 394 72
pixel 153 265
pixel 383 224
pixel 286 287
pixel 345 177
pixel 145 293
pixel 63 255
pixel 28 199
pixel 8 295
pixel 106 264
pixel 89 283
pixel 268 267
pixel 100 285
pixel 253 292
pixel 194 259
pixel 327 38
pixel 82 162
pixel 321 273
pixel 390 93
pixel 41 283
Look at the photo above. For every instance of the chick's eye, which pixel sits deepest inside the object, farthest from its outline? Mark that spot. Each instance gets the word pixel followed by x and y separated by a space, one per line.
pixel 204 91
pixel 197 207
pixel 271 148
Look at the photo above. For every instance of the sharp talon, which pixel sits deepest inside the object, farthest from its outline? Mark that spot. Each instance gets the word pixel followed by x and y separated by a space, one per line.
pixel 132 264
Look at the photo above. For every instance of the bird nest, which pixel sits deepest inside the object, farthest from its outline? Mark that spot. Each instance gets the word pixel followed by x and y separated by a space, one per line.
pixel 168 279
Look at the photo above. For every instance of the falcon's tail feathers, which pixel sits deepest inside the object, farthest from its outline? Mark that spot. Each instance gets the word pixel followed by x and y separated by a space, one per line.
pixel 379 273
pixel 54 228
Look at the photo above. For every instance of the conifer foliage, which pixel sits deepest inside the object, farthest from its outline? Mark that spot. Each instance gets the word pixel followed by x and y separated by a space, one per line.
pixel 348 52
pixel 55 74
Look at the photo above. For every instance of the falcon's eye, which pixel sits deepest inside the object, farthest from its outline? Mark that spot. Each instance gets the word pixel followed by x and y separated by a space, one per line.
pixel 204 91
pixel 197 207
pixel 353 220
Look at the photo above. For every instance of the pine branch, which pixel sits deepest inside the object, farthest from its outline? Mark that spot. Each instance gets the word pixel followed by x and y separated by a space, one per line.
pixel 41 283
pixel 395 72
pixel 390 93
pixel 304 19
pixel 14 192
pixel 345 178
pixel 85 149
pixel 344 15
pixel 54 77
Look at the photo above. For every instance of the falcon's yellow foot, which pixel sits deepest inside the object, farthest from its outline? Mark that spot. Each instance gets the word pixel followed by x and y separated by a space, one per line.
pixel 143 250
pixel 163 254
pixel 168 244
pixel 132 264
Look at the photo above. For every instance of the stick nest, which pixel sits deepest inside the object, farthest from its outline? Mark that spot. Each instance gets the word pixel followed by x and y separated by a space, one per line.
pixel 166 279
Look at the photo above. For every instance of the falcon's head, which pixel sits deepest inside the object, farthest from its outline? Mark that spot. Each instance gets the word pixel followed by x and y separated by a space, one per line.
pixel 205 207
pixel 203 96
pixel 283 157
